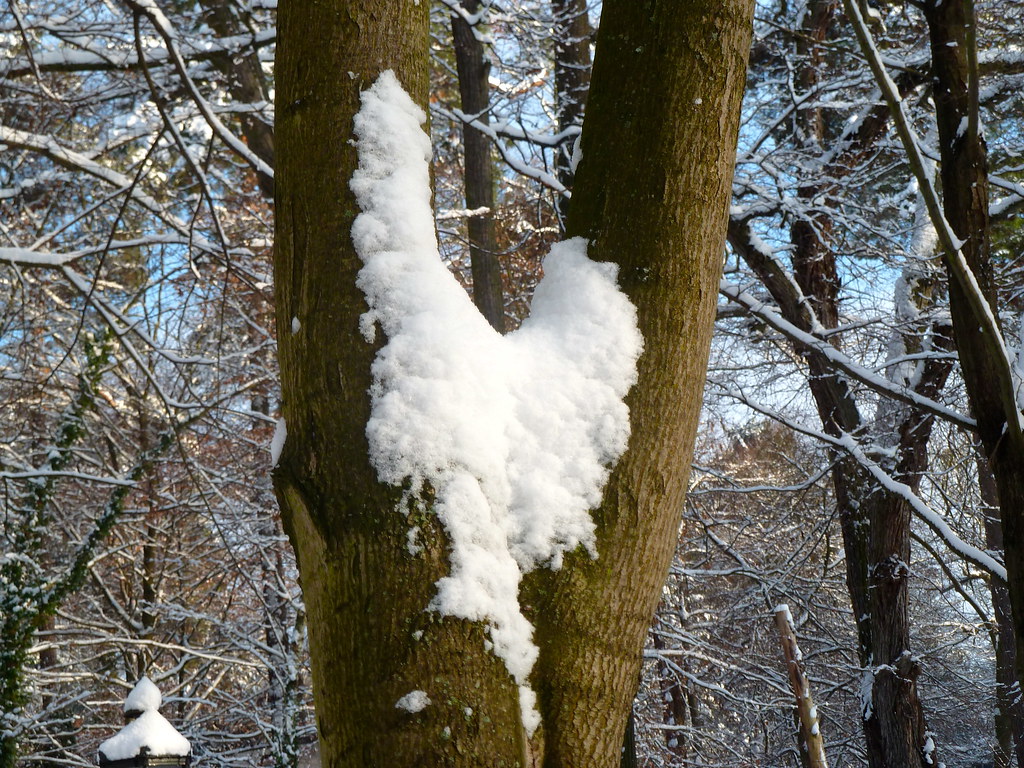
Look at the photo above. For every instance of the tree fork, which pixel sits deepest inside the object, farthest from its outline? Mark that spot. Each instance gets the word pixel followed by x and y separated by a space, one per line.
pixel 661 144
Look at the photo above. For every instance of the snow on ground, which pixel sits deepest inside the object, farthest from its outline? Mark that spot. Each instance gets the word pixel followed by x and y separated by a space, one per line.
pixel 514 433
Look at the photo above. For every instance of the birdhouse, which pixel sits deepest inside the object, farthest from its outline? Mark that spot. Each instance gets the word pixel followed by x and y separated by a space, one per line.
pixel 147 739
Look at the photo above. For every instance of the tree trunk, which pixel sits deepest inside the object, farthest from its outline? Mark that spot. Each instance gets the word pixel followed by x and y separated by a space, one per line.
pixel 653 198
pixel 371 639
pixel 1009 717
pixel 572 37
pixel 478 177
pixel 650 194
pixel 964 174
pixel 875 523
pixel 676 701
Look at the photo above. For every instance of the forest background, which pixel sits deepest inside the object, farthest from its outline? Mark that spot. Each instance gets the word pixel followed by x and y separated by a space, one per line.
pixel 837 451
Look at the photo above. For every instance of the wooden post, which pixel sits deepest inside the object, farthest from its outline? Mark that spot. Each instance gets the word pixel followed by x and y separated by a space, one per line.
pixel 812 746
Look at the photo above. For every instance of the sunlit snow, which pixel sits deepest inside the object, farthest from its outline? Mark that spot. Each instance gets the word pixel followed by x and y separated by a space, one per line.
pixel 414 701
pixel 513 433
pixel 277 442
pixel 145 696
pixel 149 731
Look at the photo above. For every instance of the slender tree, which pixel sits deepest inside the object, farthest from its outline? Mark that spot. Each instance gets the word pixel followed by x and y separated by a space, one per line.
pixel 963 223
pixel 972 288
pixel 478 177
pixel 572 40
pixel 875 520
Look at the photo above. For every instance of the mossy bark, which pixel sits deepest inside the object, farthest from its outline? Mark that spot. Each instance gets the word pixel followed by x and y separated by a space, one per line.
pixel 652 196
pixel 365 594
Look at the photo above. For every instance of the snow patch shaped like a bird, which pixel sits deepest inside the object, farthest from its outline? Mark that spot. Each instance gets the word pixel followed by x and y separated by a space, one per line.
pixel 514 433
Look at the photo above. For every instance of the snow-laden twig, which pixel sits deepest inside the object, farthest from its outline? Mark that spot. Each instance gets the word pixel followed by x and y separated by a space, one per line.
pixel 76 161
pixel 925 513
pixel 457 9
pixel 840 361
pixel 123 325
pixel 851 446
pixel 958 267
pixel 104 58
pixel 29 257
pixel 810 482
pixel 38 474
pixel 524 169
pixel 172 128
pixel 984 615
pixel 130 642
pixel 668 653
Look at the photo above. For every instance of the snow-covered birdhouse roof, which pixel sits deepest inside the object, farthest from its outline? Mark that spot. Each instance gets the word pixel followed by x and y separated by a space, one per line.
pixel 148 733
pixel 145 697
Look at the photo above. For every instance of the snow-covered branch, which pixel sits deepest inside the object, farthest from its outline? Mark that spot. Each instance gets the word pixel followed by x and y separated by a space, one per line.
pixel 83 56
pixel 162 24
pixel 852 447
pixel 951 244
pixel 840 361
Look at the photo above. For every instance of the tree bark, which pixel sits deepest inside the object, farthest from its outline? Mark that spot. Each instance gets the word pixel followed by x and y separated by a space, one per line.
pixel 572 37
pixel 371 640
pixel 653 198
pixel 651 194
pixel 1009 717
pixel 964 175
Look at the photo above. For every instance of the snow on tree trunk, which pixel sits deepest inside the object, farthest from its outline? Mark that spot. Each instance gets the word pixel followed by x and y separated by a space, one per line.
pixel 513 434
pixel 393 613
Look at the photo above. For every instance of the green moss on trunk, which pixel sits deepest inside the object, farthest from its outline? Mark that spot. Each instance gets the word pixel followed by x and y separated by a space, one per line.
pixel 652 194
